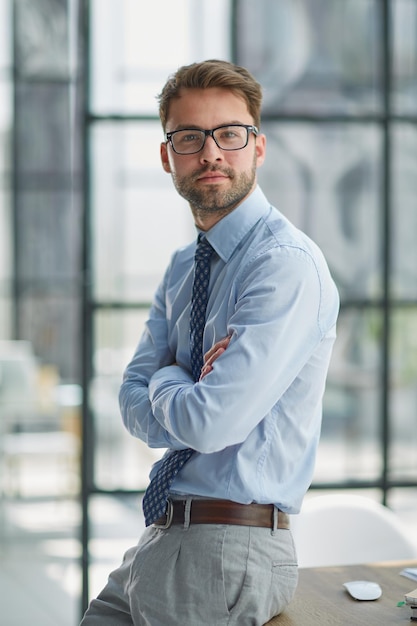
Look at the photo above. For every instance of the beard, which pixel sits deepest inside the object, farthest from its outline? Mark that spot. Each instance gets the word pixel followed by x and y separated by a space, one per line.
pixel 213 199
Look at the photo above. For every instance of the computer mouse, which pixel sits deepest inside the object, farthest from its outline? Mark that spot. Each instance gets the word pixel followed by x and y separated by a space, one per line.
pixel 363 589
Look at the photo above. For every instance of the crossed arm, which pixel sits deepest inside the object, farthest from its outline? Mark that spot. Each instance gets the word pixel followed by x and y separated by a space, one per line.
pixel 162 405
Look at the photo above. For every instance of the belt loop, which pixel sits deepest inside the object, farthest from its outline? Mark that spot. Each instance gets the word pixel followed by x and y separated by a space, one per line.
pixel 275 522
pixel 187 513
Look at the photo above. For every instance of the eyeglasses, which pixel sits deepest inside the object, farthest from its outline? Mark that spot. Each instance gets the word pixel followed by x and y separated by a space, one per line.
pixel 227 137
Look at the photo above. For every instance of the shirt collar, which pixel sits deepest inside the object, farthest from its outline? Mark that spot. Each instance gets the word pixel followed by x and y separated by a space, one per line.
pixel 225 236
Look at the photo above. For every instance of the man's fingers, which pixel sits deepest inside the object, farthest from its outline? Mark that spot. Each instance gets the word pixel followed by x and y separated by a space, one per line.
pixel 214 356
pixel 222 344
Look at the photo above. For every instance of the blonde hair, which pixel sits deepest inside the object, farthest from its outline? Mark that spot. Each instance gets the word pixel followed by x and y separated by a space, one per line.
pixel 212 73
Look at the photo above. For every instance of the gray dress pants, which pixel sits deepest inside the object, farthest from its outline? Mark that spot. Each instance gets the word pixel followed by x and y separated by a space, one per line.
pixel 204 574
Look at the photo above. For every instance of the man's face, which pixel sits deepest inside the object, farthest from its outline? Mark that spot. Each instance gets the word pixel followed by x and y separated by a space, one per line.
pixel 214 181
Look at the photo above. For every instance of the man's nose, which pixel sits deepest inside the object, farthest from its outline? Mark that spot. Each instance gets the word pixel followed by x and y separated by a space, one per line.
pixel 211 151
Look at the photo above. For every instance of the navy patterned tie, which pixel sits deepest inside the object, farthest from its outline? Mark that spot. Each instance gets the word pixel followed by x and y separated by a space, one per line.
pixel 155 498
pixel 199 304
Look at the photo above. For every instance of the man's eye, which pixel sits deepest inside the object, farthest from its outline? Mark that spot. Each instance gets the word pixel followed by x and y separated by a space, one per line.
pixel 189 137
pixel 230 135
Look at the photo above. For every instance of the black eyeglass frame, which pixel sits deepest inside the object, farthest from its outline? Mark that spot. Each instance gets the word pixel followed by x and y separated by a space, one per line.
pixel 250 128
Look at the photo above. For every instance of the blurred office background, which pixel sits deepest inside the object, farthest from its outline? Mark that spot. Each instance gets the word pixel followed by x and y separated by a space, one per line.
pixel 88 221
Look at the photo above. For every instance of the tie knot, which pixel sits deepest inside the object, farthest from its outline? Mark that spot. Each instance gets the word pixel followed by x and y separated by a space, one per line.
pixel 203 250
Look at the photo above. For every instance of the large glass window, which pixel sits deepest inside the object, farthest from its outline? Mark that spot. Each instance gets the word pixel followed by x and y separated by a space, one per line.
pixel 6 113
pixel 404 75
pixel 121 461
pixel 137 218
pixel 149 41
pixel 403 395
pixel 40 303
pixel 342 169
pixel 88 221
pixel 317 57
pixel 350 448
pixel 327 179
pixel 404 211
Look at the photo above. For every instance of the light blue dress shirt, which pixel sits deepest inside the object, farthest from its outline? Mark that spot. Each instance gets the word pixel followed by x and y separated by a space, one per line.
pixel 254 421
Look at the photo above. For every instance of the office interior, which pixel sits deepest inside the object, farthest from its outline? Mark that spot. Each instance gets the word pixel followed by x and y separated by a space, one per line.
pixel 88 220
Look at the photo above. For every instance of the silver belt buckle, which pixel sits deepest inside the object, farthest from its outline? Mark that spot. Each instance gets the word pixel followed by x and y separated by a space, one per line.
pixel 169 515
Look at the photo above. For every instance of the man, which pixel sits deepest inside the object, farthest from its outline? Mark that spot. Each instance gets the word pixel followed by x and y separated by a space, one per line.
pixel 245 425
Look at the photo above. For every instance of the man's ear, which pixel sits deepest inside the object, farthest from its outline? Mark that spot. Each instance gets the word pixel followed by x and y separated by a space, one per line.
pixel 260 147
pixel 164 158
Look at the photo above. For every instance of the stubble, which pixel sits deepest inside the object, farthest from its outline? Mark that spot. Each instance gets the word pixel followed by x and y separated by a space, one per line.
pixel 209 200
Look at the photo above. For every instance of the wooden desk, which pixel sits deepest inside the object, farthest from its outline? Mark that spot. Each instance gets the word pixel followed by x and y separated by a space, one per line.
pixel 321 598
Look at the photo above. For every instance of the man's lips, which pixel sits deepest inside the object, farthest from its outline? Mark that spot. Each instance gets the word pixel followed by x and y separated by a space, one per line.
pixel 212 177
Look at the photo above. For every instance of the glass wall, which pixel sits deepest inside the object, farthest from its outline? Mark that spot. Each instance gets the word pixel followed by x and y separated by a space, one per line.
pixel 340 117
pixel 88 221
pixel 40 304
pixel 6 115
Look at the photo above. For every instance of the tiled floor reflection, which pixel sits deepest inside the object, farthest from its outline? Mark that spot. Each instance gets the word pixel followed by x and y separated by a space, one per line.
pixel 39 575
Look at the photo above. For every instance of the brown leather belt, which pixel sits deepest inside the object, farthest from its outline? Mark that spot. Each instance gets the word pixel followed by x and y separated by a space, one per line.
pixel 223 512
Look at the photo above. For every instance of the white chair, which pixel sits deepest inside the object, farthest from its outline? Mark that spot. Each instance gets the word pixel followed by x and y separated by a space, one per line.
pixel 343 529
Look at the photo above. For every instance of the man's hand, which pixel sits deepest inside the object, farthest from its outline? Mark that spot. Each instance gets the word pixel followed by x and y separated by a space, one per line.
pixel 213 354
